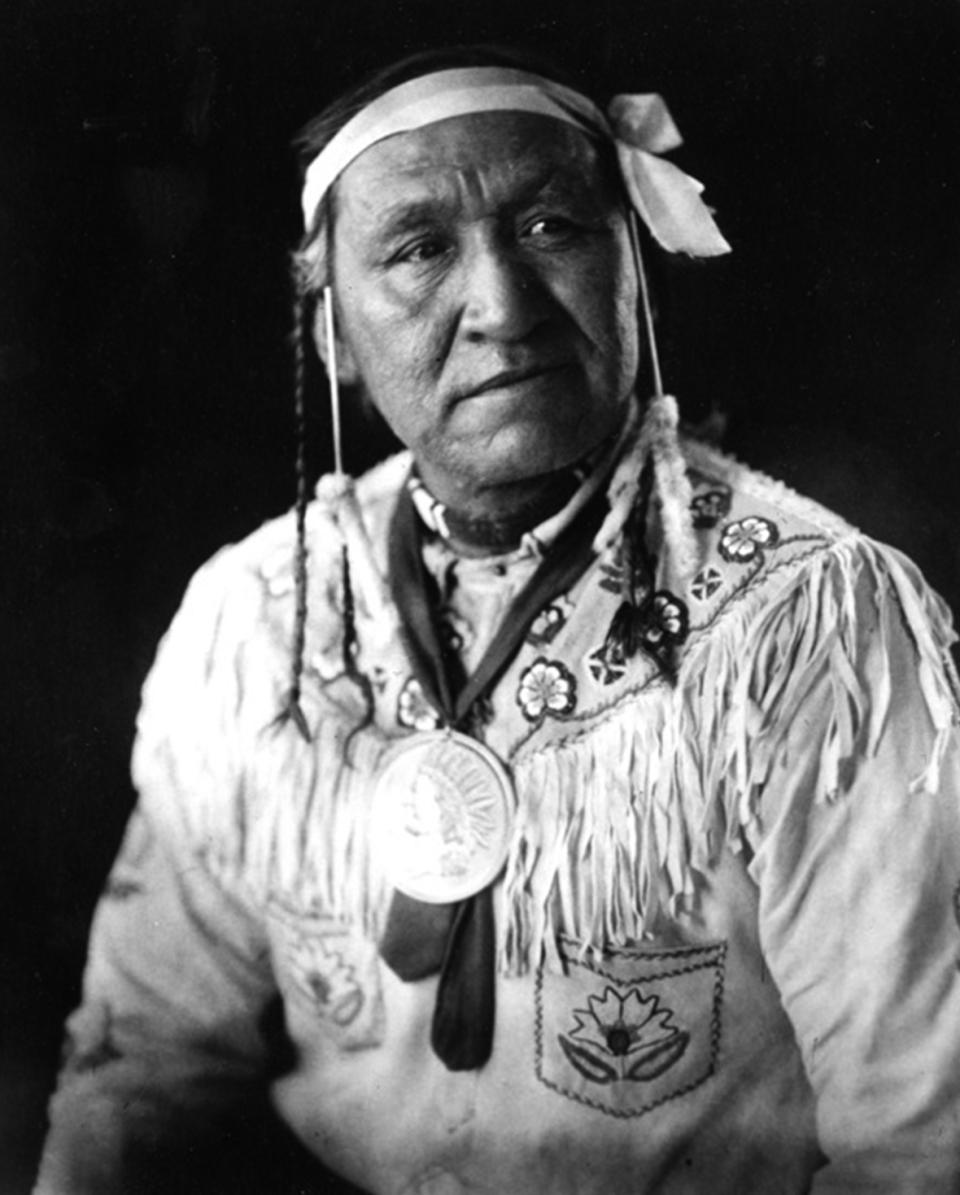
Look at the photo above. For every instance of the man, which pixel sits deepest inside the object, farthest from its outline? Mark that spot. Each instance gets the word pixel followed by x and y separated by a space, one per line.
pixel 607 838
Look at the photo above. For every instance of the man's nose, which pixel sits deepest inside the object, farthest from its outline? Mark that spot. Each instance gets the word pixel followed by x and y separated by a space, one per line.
pixel 502 296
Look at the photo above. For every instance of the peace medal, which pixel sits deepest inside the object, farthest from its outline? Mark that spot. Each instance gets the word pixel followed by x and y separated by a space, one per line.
pixel 442 815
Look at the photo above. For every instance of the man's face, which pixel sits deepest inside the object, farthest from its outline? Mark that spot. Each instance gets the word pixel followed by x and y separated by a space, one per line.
pixel 486 298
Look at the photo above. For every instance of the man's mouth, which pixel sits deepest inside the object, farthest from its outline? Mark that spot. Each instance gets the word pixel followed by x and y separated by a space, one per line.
pixel 511 377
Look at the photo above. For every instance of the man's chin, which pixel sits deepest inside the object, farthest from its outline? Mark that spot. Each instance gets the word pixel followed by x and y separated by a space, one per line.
pixel 527 465
pixel 518 454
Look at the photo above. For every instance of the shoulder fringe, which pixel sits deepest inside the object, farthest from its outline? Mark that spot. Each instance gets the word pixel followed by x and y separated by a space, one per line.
pixel 316 855
pixel 617 820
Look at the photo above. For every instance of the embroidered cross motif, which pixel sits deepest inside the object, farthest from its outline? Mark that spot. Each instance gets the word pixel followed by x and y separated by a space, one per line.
pixel 706 583
pixel 607 664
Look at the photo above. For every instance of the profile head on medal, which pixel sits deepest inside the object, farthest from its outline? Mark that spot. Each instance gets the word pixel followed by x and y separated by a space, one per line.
pixel 448 810
pixel 442 816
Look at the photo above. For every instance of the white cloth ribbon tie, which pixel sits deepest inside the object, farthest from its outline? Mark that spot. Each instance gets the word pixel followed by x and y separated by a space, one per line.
pixel 664 196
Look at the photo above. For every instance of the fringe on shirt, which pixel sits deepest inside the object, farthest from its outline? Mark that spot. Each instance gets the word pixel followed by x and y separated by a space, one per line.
pixel 616 819
pixel 616 823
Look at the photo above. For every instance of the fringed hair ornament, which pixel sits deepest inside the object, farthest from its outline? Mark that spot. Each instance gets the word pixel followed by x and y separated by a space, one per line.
pixel 650 619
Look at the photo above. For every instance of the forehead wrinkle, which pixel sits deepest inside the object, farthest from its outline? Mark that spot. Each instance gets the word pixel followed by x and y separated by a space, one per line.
pixel 448 189
pixel 445 166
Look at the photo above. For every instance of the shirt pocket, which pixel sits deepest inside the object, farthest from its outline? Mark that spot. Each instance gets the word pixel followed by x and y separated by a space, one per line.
pixel 329 976
pixel 626 1031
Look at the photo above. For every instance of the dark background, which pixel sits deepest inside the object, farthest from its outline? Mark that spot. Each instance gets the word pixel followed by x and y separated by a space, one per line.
pixel 147 205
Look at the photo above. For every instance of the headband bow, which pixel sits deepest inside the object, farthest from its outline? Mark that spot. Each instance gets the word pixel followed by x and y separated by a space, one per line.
pixel 665 198
pixel 640 127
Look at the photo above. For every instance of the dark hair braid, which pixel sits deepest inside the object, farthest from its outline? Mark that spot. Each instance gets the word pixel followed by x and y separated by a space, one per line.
pixel 292 710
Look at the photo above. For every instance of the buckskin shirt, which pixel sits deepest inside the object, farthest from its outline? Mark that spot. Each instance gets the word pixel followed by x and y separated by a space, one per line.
pixel 727 927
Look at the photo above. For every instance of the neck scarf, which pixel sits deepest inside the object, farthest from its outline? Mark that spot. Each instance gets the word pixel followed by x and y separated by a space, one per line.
pixel 458 939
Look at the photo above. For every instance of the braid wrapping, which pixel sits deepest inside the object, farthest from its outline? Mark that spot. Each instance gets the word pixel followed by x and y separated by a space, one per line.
pixel 674 492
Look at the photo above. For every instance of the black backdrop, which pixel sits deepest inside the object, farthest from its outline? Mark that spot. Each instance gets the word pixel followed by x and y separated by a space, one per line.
pixel 147 204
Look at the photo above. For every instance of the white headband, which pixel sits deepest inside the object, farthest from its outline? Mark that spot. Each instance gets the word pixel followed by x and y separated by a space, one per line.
pixel 640 126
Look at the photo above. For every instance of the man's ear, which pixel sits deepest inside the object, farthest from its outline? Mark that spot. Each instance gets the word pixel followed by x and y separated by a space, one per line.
pixel 347 372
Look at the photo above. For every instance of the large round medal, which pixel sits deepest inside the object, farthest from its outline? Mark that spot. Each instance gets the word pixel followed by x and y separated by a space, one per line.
pixel 442 814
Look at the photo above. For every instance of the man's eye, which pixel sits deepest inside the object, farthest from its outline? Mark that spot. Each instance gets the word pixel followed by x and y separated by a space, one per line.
pixel 550 229
pixel 550 226
pixel 423 250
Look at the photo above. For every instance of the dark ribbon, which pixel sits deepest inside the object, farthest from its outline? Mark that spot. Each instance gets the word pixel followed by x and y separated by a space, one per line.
pixel 458 939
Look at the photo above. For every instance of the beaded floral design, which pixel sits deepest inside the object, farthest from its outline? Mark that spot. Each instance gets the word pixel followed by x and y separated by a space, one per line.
pixel 668 620
pixel 623 1037
pixel 414 711
pixel 745 539
pixel 547 688
pixel 327 978
pixel 709 507
pixel 547 625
